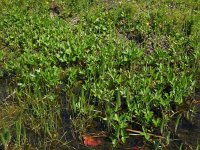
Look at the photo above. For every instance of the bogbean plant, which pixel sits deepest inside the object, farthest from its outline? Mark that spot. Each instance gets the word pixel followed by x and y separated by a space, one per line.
pixel 103 66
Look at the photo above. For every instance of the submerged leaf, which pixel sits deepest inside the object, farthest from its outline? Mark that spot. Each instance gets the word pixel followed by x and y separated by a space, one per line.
pixel 91 141
pixel 136 148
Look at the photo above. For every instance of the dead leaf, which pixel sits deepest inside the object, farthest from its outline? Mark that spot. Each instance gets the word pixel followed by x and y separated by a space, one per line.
pixel 91 141
pixel 136 148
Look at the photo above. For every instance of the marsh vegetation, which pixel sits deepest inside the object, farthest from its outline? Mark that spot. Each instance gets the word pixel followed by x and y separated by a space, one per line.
pixel 125 72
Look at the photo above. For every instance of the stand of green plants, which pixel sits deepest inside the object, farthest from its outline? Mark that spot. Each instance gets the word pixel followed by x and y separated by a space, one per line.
pixel 126 65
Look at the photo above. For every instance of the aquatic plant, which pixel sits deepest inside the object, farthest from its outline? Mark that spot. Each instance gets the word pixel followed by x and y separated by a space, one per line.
pixel 128 70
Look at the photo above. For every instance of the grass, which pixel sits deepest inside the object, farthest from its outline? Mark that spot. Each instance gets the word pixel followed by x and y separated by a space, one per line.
pixel 127 65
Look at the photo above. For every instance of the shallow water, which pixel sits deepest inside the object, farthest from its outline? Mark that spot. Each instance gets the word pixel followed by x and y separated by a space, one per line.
pixel 188 132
